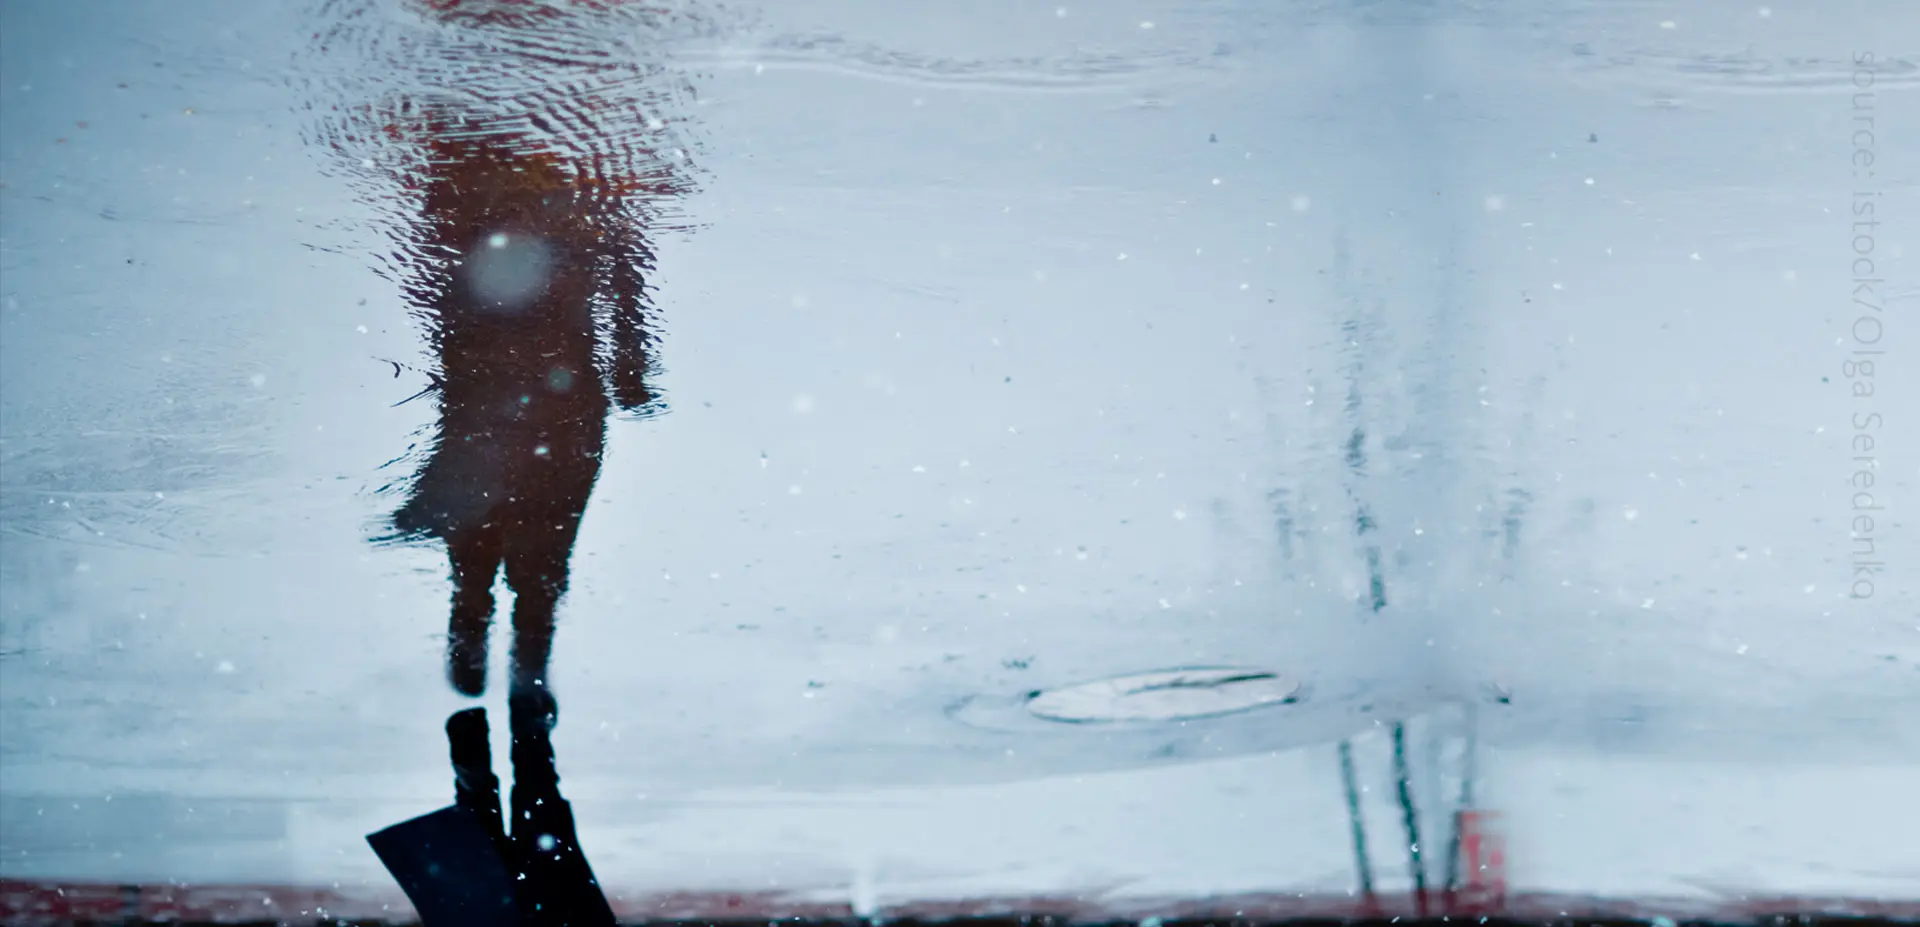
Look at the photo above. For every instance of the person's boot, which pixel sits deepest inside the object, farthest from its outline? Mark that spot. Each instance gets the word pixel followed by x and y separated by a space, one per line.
pixel 554 885
pixel 475 787
pixel 467 663
pixel 453 863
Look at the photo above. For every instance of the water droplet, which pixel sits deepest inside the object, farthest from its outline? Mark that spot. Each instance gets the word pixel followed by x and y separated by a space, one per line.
pixel 509 273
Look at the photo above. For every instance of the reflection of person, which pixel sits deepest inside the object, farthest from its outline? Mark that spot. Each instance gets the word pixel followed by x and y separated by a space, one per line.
pixel 523 402
pixel 531 164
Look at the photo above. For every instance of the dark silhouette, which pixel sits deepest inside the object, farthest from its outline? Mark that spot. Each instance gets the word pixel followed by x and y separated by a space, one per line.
pixel 537 316
pixel 536 312
pixel 522 150
pixel 520 146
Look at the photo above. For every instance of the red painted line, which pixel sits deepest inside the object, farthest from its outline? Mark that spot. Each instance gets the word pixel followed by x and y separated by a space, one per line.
pixel 1483 853
pixel 30 902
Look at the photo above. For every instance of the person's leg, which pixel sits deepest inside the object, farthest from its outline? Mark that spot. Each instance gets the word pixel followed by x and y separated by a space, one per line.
pixel 475 557
pixel 554 885
pixel 551 497
pixel 537 570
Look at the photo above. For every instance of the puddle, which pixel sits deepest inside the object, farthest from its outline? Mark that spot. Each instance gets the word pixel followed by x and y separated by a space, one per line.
pixel 1165 695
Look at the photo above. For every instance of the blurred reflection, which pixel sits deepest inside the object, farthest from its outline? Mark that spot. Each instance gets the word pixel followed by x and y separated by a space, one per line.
pixel 523 393
pixel 514 146
pixel 526 145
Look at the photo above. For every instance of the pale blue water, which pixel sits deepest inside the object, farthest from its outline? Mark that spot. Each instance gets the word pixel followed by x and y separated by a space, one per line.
pixel 1417 352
